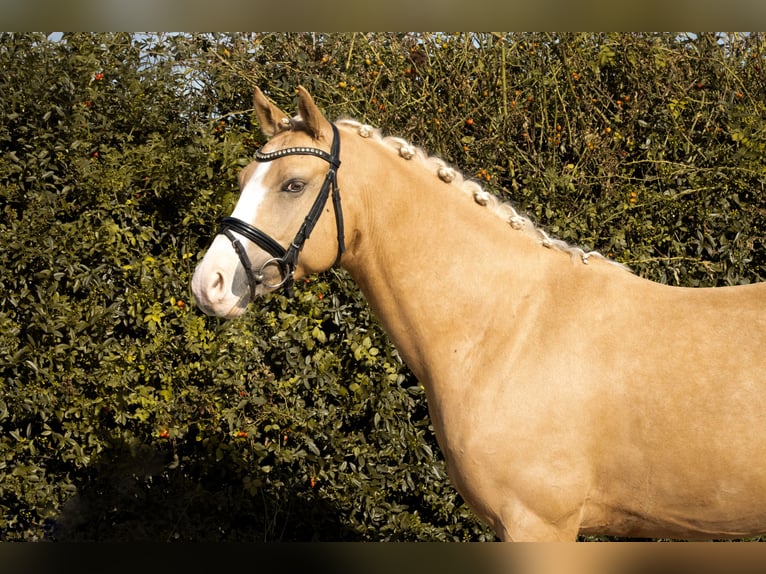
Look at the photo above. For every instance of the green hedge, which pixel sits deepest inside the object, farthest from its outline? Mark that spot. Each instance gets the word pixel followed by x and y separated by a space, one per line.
pixel 125 414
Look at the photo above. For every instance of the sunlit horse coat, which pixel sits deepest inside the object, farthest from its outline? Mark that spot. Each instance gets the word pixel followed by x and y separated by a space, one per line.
pixel 567 394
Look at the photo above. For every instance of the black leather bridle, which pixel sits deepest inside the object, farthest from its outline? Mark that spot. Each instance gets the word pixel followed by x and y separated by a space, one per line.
pixel 287 259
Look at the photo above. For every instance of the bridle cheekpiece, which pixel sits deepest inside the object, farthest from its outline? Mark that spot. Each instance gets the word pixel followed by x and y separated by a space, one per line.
pixel 287 259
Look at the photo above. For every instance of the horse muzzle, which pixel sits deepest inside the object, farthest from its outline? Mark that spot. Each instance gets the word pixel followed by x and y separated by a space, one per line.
pixel 222 287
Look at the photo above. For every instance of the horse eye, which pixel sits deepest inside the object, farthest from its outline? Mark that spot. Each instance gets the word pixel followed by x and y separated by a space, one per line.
pixel 294 186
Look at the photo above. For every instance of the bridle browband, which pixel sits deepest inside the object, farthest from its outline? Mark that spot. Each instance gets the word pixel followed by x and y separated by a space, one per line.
pixel 287 259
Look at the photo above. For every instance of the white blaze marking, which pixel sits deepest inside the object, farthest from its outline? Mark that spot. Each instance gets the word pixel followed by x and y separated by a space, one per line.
pixel 252 196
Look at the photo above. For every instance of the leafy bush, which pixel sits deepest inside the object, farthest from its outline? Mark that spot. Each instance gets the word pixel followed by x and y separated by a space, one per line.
pixel 125 414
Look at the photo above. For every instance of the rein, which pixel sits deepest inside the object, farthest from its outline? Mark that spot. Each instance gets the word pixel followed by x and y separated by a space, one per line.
pixel 287 259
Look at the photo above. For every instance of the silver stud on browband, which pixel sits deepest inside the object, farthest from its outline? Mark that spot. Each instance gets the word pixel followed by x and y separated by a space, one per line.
pixel 272 155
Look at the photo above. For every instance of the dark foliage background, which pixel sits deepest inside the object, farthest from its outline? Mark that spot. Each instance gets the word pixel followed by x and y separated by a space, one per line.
pixel 125 414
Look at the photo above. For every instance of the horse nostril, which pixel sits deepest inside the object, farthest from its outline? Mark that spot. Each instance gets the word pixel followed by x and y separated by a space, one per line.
pixel 218 283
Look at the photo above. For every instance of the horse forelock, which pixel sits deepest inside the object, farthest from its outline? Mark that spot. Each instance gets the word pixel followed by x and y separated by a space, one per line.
pixel 480 195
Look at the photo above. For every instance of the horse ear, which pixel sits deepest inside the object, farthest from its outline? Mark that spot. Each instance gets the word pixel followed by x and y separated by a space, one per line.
pixel 315 122
pixel 272 119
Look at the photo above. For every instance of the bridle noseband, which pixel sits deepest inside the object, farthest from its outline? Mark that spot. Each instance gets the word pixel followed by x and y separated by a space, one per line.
pixel 287 259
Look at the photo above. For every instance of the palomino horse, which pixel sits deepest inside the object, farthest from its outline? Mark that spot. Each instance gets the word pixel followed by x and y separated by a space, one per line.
pixel 567 394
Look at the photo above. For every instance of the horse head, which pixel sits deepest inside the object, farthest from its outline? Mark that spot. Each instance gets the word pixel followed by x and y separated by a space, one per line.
pixel 283 194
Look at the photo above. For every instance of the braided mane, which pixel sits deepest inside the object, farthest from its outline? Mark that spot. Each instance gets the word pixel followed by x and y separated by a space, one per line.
pixel 448 174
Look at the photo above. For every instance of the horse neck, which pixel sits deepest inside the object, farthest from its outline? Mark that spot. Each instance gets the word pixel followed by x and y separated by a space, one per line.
pixel 428 258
